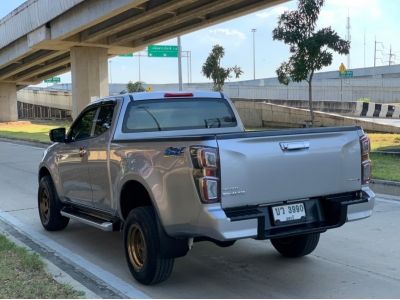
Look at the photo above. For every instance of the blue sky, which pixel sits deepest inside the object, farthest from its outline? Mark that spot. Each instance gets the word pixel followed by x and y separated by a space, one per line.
pixel 374 17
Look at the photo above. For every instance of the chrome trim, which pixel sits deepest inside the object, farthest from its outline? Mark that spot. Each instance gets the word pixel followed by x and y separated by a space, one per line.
pixel 105 226
pixel 294 146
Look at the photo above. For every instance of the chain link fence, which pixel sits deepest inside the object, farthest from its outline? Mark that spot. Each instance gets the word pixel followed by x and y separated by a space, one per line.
pixel 33 111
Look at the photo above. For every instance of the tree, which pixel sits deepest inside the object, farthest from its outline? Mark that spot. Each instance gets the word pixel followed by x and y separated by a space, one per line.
pixel 135 87
pixel 309 47
pixel 212 68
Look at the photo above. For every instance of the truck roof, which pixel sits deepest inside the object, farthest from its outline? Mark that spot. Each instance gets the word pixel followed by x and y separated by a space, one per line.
pixel 174 94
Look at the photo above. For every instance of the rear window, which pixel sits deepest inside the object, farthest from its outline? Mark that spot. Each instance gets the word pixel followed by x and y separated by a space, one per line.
pixel 177 114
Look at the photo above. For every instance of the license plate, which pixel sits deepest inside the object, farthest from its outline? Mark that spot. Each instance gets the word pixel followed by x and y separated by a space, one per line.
pixel 290 212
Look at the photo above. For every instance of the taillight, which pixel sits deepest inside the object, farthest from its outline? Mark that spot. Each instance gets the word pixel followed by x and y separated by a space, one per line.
pixel 365 161
pixel 206 173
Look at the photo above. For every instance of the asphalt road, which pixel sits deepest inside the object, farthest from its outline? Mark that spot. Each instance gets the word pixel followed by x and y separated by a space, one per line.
pixel 358 260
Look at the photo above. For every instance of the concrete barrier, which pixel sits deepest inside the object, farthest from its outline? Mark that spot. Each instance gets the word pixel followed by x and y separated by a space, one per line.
pixel 384 111
pixel 351 109
pixel 396 113
pixel 359 108
pixel 371 110
pixel 258 115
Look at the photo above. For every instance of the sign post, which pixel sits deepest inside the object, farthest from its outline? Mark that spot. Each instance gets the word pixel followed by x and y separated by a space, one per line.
pixel 343 73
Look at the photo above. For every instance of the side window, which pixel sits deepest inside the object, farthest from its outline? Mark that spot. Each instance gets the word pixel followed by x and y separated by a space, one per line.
pixel 82 128
pixel 104 119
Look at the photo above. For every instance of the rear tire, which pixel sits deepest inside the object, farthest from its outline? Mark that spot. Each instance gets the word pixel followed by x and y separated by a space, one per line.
pixel 296 246
pixel 142 247
pixel 49 206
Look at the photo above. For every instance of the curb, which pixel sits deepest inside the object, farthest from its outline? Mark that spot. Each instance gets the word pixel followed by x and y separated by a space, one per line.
pixel 395 153
pixel 43 145
pixel 385 187
pixel 99 281
pixel 55 272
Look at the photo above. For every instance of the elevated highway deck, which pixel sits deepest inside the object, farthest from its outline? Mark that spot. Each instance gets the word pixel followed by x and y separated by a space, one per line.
pixel 44 38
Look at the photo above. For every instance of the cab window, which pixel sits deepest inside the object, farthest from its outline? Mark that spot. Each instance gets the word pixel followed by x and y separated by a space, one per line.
pixel 104 119
pixel 82 128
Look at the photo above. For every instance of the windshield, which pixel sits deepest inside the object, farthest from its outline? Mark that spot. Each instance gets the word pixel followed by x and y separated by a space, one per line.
pixel 177 114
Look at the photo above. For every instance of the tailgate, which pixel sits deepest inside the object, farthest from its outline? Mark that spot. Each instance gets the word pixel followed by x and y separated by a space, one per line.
pixel 262 168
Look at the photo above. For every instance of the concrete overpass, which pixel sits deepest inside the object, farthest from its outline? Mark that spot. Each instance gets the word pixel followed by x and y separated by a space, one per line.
pixel 44 38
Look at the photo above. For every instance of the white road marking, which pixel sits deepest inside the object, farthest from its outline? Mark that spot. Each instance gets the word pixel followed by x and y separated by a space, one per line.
pixel 120 285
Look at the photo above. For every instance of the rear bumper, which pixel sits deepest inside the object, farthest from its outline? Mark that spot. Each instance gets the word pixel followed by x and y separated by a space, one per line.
pixel 255 222
pixel 362 210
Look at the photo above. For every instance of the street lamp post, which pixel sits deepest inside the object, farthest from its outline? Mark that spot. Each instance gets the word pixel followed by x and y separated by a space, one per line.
pixel 180 63
pixel 254 53
pixel 140 75
pixel 110 70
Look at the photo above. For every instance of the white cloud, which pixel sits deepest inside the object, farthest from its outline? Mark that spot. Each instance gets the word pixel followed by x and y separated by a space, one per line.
pixel 272 12
pixel 231 33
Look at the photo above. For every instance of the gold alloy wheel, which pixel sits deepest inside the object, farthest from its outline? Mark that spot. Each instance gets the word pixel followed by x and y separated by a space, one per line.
pixel 136 247
pixel 44 205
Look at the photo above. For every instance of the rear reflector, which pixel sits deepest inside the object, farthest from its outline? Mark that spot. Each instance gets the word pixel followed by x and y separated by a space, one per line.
pixel 175 95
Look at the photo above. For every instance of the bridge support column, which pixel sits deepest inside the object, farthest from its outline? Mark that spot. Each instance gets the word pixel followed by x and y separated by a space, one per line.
pixel 89 71
pixel 8 102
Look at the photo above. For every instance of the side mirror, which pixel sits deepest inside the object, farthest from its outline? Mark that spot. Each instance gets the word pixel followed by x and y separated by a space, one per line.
pixel 57 135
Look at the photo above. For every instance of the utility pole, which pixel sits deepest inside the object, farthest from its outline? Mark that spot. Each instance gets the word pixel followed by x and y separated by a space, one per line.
pixel 140 72
pixel 187 67
pixel 376 50
pixel 190 65
pixel 375 53
pixel 348 27
pixel 391 54
pixel 365 45
pixel 254 53
pixel 180 63
pixel 110 71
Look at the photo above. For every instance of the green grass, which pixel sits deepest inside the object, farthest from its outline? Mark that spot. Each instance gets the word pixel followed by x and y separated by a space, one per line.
pixel 384 141
pixel 385 166
pixel 22 275
pixel 30 131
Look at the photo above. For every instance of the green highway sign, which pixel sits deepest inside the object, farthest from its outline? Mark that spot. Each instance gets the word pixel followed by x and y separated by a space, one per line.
pixel 162 51
pixel 53 80
pixel 346 74
pixel 126 55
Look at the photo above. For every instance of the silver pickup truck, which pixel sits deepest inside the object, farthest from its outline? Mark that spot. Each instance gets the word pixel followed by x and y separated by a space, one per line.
pixel 171 169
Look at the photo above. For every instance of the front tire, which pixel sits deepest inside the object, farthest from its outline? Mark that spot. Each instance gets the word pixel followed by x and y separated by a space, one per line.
pixel 296 246
pixel 142 247
pixel 50 206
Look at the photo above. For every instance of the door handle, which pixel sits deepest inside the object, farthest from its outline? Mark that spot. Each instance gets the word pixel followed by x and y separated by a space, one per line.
pixel 294 146
pixel 82 151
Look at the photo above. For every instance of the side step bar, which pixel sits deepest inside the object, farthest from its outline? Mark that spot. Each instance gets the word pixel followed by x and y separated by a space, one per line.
pixel 88 219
